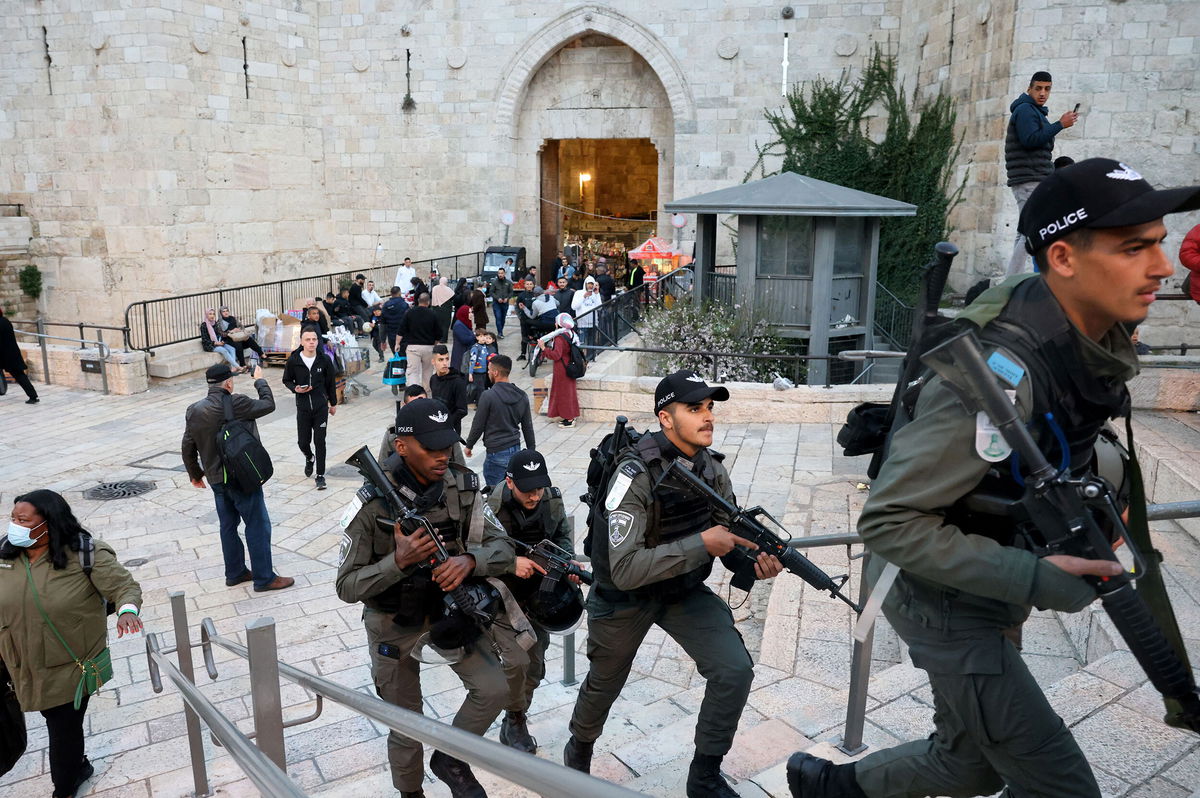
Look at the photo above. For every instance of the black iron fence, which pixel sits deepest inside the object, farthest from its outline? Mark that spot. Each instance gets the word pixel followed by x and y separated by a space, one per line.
pixel 893 318
pixel 607 324
pixel 155 323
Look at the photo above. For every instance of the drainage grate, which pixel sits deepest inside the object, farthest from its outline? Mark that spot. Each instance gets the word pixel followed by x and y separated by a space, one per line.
pixel 117 490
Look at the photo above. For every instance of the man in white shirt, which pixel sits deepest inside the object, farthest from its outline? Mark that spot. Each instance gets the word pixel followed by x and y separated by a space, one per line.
pixel 370 297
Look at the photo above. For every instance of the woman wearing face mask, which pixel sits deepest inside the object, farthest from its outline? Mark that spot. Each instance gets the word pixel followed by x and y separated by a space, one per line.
pixel 52 617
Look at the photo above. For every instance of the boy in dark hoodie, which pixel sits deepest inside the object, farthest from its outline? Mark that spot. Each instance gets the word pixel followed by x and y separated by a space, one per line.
pixel 308 373
pixel 503 414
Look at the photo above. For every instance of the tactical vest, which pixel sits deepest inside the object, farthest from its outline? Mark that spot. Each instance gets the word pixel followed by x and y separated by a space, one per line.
pixel 449 512
pixel 1034 328
pixel 529 527
pixel 675 513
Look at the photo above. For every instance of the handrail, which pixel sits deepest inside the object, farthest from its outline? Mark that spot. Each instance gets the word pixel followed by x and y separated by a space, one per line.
pixel 269 779
pixel 541 775
pixel 40 323
pixel 174 319
pixel 100 345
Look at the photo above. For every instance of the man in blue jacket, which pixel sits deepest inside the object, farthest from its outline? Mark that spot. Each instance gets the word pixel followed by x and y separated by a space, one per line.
pixel 1028 146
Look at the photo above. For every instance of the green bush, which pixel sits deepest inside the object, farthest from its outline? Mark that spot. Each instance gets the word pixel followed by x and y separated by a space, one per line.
pixel 824 133
pixel 714 328
pixel 30 280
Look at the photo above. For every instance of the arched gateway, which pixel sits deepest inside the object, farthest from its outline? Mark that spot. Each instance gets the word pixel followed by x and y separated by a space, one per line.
pixel 592 103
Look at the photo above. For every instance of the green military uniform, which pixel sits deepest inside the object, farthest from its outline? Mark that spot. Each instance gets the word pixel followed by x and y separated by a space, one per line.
pixel 368 573
pixel 961 588
pixel 548 521
pixel 650 571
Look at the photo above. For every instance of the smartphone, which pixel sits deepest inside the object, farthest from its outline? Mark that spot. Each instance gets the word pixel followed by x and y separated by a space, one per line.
pixel 1076 108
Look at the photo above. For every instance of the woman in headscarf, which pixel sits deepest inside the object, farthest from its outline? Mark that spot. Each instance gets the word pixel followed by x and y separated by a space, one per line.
pixel 227 325
pixel 441 300
pixel 212 340
pixel 564 398
pixel 55 626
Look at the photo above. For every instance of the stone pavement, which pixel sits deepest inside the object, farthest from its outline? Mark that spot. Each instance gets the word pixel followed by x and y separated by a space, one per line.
pixel 75 439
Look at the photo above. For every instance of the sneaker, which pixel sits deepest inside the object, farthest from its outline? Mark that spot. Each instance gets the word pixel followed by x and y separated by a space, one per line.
pixel 278 583
pixel 320 482
pixel 567 422
pixel 522 357
pixel 308 466
pixel 32 401
pixel 245 577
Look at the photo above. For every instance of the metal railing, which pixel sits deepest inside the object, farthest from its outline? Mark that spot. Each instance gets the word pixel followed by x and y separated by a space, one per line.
pixel 893 318
pixel 266 764
pixel 40 324
pixel 101 348
pixel 619 316
pixel 155 323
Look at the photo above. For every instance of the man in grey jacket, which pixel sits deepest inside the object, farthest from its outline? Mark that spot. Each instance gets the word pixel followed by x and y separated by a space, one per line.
pixel 503 413
pixel 1028 147
pixel 202 458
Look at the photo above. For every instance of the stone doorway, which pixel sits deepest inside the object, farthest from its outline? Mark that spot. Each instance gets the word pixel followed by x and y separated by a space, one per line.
pixel 600 195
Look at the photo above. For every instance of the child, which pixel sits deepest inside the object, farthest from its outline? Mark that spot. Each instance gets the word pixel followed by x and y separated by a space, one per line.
pixel 377 329
pixel 485 346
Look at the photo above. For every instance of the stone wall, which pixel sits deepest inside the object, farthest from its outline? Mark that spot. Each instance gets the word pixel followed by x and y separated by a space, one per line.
pixel 147 170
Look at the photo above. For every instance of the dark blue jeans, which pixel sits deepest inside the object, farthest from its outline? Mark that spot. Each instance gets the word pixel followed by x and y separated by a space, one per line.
pixel 495 464
pixel 500 311
pixel 250 508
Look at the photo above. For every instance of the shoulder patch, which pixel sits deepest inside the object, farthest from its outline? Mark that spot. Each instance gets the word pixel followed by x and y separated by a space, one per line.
pixel 366 494
pixel 343 548
pixel 631 468
pixel 621 483
pixel 1005 368
pixel 555 493
pixel 620 524
pixel 465 478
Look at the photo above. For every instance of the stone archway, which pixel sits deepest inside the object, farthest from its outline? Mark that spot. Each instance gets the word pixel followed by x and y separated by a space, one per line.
pixel 633 90
pixel 574 23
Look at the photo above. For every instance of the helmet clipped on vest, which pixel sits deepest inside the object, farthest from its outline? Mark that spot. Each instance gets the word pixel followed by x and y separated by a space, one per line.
pixel 556 606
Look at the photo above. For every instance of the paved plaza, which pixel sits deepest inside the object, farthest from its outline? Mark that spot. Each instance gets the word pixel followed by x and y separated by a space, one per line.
pixel 800 639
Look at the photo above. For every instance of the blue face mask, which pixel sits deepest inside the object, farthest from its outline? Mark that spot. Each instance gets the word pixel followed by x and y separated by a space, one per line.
pixel 19 535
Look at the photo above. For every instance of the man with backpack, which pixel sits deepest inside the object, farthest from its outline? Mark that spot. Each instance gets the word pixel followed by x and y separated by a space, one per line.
pixel 500 419
pixel 220 441
pixel 652 542
pixel 965 577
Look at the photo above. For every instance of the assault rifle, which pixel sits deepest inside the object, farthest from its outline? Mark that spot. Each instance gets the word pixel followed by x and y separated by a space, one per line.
pixel 749 525
pixel 480 606
pixel 1057 514
pixel 554 560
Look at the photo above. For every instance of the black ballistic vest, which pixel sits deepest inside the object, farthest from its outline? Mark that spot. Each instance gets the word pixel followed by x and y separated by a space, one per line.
pixel 1034 328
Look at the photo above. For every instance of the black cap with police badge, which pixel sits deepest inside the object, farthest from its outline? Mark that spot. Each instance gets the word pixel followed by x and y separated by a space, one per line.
pixel 1096 193
pixel 687 387
pixel 427 420
pixel 527 469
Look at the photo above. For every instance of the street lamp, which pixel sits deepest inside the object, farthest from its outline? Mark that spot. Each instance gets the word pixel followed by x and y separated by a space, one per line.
pixel 584 177
pixel 506 219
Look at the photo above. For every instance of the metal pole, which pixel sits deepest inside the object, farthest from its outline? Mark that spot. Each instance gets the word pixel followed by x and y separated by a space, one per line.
pixel 264 689
pixel 568 642
pixel 183 650
pixel 82 345
pixel 860 675
pixel 41 328
pixel 103 350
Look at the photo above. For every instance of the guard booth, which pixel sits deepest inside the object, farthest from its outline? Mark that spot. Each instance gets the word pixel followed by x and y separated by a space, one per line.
pixel 806 261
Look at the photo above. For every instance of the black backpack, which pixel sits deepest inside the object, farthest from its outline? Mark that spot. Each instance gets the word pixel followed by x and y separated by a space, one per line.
pixel 245 464
pixel 576 365
pixel 605 458
pixel 87 560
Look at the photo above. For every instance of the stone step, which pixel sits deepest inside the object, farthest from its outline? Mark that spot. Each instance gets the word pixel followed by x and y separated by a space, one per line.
pixel 178 360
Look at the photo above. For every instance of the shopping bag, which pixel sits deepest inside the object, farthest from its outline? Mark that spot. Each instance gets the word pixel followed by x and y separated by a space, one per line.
pixel 393 372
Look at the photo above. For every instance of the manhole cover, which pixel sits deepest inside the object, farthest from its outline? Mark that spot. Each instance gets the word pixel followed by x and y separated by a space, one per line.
pixel 117 490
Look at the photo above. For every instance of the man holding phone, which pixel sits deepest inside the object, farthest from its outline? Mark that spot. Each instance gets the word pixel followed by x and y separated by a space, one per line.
pixel 308 373
pixel 1028 150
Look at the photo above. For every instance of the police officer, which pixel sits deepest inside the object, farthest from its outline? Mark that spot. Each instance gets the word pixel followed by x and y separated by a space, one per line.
pixel 527 508
pixel 1095 230
pixel 661 541
pixel 385 570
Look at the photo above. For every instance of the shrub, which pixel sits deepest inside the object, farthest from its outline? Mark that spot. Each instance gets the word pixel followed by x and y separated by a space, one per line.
pixel 714 328
pixel 30 280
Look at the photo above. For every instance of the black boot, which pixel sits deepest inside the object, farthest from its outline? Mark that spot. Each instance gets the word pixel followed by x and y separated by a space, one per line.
pixel 810 777
pixel 515 733
pixel 705 780
pixel 578 755
pixel 457 775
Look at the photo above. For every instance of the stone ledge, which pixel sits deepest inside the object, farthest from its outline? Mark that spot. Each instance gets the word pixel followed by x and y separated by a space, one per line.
pixel 126 371
pixel 1167 382
pixel 180 359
